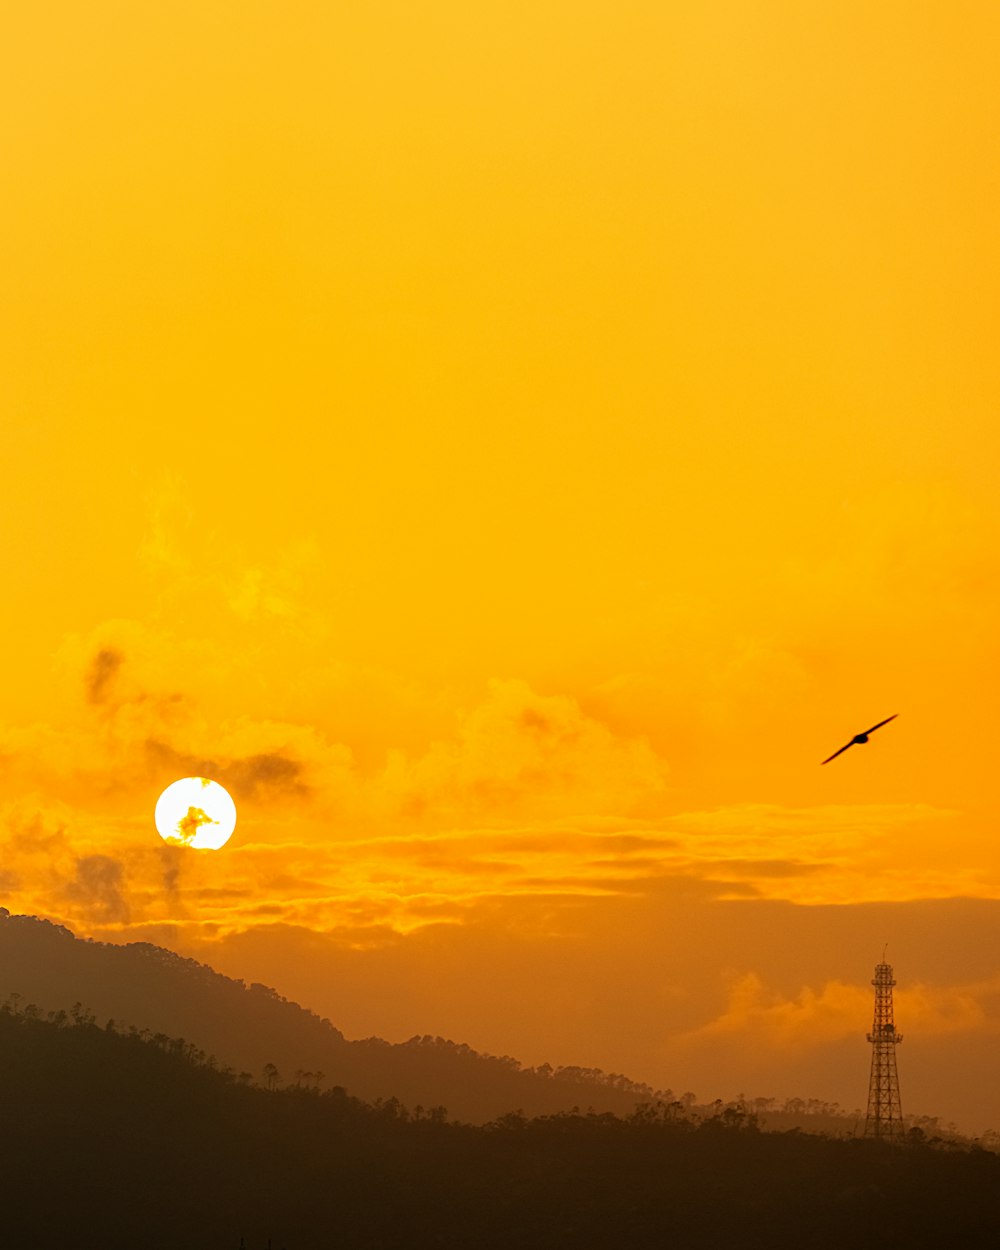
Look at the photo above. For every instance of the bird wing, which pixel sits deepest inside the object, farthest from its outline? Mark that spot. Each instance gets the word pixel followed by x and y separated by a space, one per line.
pixel 840 752
pixel 881 723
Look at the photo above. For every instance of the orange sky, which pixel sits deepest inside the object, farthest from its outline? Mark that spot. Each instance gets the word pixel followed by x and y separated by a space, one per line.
pixel 510 445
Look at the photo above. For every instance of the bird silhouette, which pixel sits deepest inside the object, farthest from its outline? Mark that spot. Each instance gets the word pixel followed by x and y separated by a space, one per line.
pixel 860 739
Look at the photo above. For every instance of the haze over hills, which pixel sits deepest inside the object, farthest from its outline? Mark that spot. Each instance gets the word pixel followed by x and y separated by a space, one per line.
pixel 249 1027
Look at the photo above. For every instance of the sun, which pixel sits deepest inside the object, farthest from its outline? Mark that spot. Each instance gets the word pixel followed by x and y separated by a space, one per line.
pixel 195 812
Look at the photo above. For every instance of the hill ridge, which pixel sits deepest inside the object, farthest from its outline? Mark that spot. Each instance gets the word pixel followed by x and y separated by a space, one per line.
pixel 252 1026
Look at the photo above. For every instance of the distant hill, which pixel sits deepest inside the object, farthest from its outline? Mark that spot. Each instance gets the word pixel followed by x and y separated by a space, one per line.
pixel 116 1142
pixel 250 1027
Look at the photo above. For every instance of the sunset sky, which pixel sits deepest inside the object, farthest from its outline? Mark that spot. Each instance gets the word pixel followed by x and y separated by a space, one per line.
pixel 509 445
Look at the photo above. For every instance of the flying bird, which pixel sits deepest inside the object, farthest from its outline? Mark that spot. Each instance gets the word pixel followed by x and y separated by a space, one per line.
pixel 860 739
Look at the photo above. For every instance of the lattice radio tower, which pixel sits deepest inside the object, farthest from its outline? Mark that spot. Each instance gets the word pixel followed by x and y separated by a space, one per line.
pixel 885 1118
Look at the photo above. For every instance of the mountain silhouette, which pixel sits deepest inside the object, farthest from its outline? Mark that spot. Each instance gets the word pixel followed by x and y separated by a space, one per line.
pixel 250 1028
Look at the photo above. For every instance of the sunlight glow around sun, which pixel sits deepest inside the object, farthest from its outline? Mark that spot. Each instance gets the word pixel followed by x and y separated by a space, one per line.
pixel 195 812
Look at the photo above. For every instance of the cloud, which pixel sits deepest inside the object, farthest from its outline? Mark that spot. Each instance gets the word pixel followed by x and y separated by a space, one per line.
pixel 262 587
pixel 947 1009
pixel 266 775
pixel 529 796
pixel 810 1019
pixel 170 862
pixel 830 853
pixel 522 752
pixel 136 729
pixel 815 1018
pixel 276 591
pixel 34 828
pixel 858 820
pixel 101 673
pixel 97 889
pixel 778 868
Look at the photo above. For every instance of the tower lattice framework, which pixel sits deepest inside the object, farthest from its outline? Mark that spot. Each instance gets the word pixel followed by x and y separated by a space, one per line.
pixel 885 1116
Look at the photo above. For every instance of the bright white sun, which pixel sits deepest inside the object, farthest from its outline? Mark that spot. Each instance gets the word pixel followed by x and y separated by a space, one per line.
pixel 195 812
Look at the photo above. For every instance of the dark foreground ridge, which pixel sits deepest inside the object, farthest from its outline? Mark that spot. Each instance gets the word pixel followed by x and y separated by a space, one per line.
pixel 126 1143
pixel 250 1027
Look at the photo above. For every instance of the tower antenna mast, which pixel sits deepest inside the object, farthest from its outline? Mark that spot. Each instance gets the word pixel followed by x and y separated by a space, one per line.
pixel 885 1117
